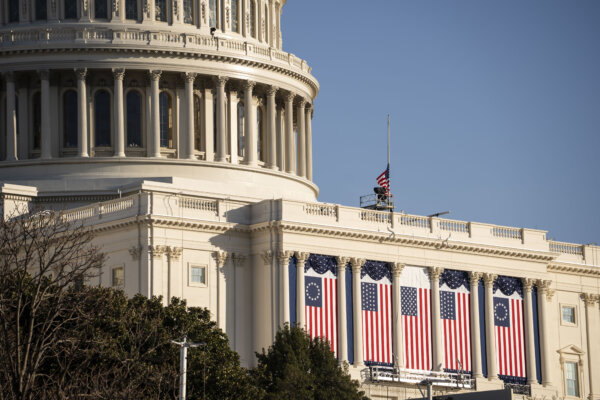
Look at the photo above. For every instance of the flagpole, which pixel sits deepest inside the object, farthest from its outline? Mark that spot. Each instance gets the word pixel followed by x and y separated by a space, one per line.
pixel 388 154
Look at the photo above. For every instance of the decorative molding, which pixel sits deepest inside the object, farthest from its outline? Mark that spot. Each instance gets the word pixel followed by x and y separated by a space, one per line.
pixel 301 257
pixel 488 280
pixel 590 299
pixel 220 257
pixel 267 257
pixel 157 251
pixel 357 263
pixel 118 73
pixel 135 252
pixel 397 268
pixel 574 269
pixel 435 272
pixel 527 284
pixel 174 253
pixel 283 257
pixel 474 277
pixel 342 262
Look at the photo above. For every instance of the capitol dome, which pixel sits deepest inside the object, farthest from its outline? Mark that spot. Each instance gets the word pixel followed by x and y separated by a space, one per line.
pixel 101 94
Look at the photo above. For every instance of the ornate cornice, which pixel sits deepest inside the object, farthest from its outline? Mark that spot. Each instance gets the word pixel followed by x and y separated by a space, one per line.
pixel 574 269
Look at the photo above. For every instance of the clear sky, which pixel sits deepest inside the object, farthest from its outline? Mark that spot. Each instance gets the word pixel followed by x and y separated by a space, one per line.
pixel 495 106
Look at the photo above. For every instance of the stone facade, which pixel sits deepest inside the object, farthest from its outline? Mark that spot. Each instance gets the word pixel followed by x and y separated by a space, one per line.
pixel 199 185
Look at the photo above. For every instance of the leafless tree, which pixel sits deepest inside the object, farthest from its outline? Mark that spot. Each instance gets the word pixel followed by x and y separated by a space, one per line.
pixel 44 258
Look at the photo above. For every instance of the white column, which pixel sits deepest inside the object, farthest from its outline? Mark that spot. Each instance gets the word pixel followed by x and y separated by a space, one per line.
pixel 209 126
pixel 397 310
pixel 46 139
pixel 529 333
pixel 82 139
pixel 308 127
pixel 436 331
pixel 283 258
pixel 301 145
pixel 474 278
pixel 543 287
pixel 271 128
pixel 191 129
pixel 290 154
pixel 119 113
pixel 341 309
pixel 592 326
pixel 300 297
pixel 154 89
pixel 233 127
pixel 490 334
pixel 250 152
pixel 280 140
pixel 11 118
pixel 221 257
pixel 357 264
pixel 23 122
pixel 221 123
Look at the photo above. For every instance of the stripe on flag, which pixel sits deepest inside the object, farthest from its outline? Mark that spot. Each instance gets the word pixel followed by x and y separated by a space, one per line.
pixel 377 321
pixel 416 321
pixel 510 340
pixel 456 329
pixel 321 308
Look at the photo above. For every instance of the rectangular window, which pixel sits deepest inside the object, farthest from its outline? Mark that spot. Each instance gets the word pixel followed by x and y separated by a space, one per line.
pixel 572 380
pixel 568 314
pixel 188 12
pixel 118 277
pixel 197 275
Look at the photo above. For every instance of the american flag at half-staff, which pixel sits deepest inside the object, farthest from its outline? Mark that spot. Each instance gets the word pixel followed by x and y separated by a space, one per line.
pixel 383 180
pixel 416 323
pixel 377 321
pixel 510 343
pixel 456 329
pixel 321 308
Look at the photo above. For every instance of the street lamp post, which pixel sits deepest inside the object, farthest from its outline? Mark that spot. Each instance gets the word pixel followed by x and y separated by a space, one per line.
pixel 183 363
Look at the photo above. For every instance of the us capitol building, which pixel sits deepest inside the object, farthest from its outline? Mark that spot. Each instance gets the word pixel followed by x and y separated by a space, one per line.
pixel 181 133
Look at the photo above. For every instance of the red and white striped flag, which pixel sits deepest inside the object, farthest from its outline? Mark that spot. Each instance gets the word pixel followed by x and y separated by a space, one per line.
pixel 456 328
pixel 377 320
pixel 321 306
pixel 510 340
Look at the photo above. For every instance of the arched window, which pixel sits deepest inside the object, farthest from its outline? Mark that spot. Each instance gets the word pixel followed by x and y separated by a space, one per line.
pixel 260 133
pixel 131 9
pixel 253 18
pixel 36 108
pixel 70 9
pixel 198 142
pixel 13 10
pixel 212 13
pixel 102 119
pixel 160 10
pixel 241 135
pixel 41 10
pixel 235 16
pixel 70 118
pixel 100 9
pixel 188 12
pixel 166 120
pixel 134 119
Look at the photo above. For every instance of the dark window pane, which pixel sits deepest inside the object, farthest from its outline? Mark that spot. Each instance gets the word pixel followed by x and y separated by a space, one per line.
pixel 198 145
pixel 70 9
pixel 188 12
pixel 70 118
pixel 160 7
pixel 100 9
pixel 253 19
pixel 131 9
pixel 13 10
pixel 212 13
pixel 259 130
pixel 240 110
pixel 234 16
pixel 165 120
pixel 37 120
pixel 215 124
pixel 102 119
pixel 134 119
pixel 40 9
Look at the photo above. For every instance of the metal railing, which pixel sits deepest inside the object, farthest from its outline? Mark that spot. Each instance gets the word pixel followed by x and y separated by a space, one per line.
pixel 404 375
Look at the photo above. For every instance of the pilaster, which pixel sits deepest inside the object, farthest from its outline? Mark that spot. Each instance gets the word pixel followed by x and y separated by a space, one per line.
pixel 356 264
pixel 301 258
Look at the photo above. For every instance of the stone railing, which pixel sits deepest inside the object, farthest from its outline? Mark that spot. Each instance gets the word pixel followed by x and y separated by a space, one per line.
pixel 325 210
pixel 199 204
pixel 454 226
pixel 77 35
pixel 102 211
pixel 566 248
pixel 507 232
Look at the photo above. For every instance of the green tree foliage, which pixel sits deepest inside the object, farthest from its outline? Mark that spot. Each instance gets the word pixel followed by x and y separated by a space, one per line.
pixel 297 367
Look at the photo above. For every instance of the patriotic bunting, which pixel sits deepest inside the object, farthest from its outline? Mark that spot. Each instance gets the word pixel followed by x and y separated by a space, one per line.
pixel 321 299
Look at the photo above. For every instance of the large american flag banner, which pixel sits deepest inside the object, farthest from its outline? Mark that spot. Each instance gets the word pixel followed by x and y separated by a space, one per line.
pixel 508 325
pixel 321 306
pixel 376 300
pixel 456 328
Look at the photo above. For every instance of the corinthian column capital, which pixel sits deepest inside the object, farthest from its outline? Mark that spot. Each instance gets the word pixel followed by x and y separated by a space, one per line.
pixel 267 257
pixel 81 73
pixel 527 284
pixel 118 73
pixel 397 268
pixel 220 257
pixel 342 262
pixel 474 277
pixel 155 75
pixel 435 272
pixel 357 263
pixel 190 77
pixel 301 257
pixel 488 279
pixel 289 97
pixel 272 90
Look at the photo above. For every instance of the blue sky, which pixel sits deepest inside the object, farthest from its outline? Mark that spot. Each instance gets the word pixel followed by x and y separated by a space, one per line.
pixel 495 106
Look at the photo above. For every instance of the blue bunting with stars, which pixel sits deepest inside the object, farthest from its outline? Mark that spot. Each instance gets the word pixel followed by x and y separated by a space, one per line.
pixel 321 264
pixel 508 285
pixel 454 279
pixel 376 270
